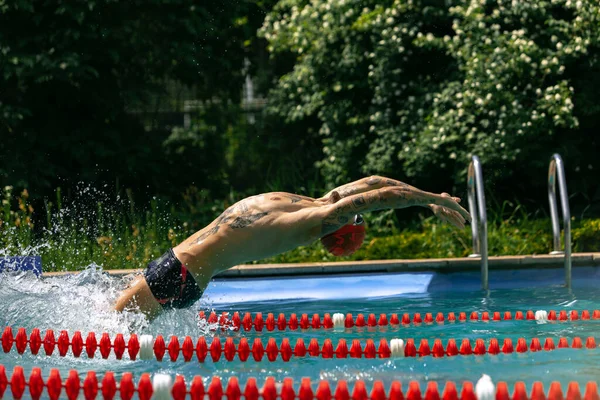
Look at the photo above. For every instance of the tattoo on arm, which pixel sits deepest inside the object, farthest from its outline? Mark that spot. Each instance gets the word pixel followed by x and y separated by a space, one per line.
pixel 366 184
pixel 359 201
pixel 244 220
pixel 374 196
pixel 373 181
pixel 206 234
pixel 400 196
pixel 391 182
pixel 345 191
pixel 293 197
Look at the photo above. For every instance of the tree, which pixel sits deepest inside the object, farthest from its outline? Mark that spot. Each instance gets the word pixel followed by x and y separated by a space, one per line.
pixel 412 88
pixel 73 76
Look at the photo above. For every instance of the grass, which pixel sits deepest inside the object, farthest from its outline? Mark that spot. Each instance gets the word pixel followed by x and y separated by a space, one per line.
pixel 116 234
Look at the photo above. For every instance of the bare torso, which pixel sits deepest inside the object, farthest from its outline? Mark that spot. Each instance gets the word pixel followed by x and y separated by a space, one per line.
pixel 251 229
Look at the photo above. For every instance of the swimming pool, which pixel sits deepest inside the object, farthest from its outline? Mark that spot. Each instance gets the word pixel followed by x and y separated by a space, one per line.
pixel 80 302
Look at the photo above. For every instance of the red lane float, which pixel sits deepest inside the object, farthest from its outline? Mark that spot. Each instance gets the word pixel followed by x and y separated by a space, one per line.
pixel 162 387
pixel 257 322
pixel 148 347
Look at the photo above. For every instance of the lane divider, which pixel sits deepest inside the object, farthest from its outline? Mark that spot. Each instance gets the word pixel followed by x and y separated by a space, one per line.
pixel 164 387
pixel 339 321
pixel 148 347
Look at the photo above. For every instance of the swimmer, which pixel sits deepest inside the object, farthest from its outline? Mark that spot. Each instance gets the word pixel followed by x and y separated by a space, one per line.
pixel 271 223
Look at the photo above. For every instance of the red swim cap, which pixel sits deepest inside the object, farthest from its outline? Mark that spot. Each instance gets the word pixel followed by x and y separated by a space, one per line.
pixel 345 240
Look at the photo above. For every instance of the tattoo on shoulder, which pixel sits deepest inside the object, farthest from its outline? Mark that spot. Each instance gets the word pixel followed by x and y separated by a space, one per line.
pixel 243 221
pixel 240 221
pixel 373 181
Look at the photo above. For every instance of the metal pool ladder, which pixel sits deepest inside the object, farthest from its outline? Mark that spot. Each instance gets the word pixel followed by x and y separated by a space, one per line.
pixel 556 163
pixel 479 217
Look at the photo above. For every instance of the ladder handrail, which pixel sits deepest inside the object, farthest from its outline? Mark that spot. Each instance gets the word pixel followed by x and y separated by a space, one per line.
pixel 479 217
pixel 556 163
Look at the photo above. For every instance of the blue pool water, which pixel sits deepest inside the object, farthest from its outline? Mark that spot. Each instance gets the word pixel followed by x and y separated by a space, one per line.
pixel 82 303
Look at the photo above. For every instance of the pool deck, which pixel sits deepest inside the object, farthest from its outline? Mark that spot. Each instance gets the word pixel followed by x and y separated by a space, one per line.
pixel 439 265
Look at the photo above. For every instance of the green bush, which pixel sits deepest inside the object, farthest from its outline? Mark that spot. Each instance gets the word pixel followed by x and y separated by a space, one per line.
pixel 586 236
pixel 414 87
pixel 90 87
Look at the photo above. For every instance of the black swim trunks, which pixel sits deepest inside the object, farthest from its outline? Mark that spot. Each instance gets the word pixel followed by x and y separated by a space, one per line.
pixel 171 283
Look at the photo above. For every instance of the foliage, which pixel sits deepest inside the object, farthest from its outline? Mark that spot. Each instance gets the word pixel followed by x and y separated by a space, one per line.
pixel 585 236
pixel 405 88
pixel 229 150
pixel 113 233
pixel 16 225
pixel 418 86
pixel 78 78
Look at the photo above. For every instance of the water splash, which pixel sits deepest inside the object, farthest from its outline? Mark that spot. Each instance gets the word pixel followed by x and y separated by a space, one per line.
pixel 74 302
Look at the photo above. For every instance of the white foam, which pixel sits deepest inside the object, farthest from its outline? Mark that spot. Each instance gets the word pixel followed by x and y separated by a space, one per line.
pixel 79 302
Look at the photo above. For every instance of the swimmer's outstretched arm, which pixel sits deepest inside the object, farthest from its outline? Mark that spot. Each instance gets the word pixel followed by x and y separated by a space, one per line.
pixel 364 185
pixel 341 212
pixel 379 182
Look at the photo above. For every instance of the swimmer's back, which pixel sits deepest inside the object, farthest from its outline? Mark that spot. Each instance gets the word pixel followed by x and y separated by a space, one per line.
pixel 253 228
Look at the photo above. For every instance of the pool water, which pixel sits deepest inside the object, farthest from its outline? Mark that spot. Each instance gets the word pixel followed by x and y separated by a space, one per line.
pixel 82 302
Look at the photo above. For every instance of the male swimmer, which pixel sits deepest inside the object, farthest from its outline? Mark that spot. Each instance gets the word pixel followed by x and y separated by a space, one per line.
pixel 271 223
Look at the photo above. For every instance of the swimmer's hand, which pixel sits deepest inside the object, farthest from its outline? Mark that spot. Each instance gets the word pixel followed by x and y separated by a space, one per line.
pixel 446 214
